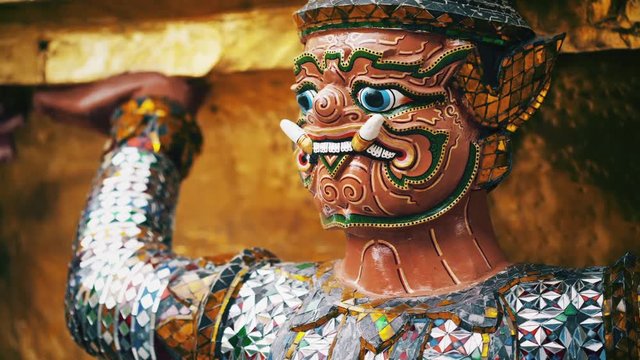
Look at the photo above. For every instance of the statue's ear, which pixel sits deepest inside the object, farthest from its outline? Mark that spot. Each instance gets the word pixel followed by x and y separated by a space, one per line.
pixel 495 160
pixel 507 93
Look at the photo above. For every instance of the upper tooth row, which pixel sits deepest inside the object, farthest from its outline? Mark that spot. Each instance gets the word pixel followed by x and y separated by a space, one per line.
pixel 332 147
pixel 345 147
pixel 379 151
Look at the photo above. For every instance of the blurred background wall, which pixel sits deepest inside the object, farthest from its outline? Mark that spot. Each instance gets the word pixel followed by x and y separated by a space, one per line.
pixel 572 198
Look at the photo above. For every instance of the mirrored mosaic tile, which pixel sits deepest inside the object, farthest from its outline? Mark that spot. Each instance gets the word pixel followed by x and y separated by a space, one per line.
pixel 266 299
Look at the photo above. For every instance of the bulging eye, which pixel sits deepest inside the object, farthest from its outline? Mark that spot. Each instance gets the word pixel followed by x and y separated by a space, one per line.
pixel 305 100
pixel 381 100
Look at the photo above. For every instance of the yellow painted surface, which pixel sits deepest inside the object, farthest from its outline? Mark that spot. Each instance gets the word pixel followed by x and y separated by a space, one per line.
pixel 20 60
pixel 253 40
pixel 179 48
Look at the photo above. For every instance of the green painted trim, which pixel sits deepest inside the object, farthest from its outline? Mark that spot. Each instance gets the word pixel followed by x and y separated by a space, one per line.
pixel 414 69
pixel 304 86
pixel 438 142
pixel 357 220
pixel 333 169
pixel 306 181
pixel 418 101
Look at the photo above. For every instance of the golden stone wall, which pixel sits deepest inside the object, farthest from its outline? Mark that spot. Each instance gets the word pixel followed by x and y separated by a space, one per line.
pixel 572 198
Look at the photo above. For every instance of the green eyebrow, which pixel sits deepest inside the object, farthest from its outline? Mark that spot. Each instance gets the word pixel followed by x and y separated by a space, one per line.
pixel 414 68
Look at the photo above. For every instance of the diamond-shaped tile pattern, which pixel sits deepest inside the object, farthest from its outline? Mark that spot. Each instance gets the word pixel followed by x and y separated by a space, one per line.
pixel 488 21
pixel 622 320
pixel 524 312
pixel 180 307
pixel 409 345
pixel 158 125
pixel 447 338
pixel 316 343
pixel 495 160
pixel 264 302
pixel 378 329
pixel 523 80
pixel 560 318
pixel 521 85
pixel 117 252
pixel 128 294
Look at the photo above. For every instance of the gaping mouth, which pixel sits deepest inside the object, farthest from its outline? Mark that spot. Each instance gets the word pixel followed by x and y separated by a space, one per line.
pixel 340 141
pixel 376 151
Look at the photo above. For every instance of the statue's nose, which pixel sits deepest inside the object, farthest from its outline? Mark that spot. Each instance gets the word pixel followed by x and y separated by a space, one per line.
pixel 328 106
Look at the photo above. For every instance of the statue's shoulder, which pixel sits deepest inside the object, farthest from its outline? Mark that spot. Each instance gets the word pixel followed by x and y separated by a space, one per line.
pixel 214 306
pixel 260 302
pixel 590 310
pixel 535 293
pixel 621 307
pixel 628 264
pixel 622 281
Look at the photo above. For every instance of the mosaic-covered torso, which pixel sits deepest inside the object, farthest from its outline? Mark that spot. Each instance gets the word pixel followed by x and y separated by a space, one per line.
pixel 130 297
pixel 300 311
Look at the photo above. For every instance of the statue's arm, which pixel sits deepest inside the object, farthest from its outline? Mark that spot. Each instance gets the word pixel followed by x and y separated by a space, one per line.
pixel 128 295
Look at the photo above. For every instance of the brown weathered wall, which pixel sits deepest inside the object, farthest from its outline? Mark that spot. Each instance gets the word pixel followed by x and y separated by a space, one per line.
pixel 572 198
pixel 589 24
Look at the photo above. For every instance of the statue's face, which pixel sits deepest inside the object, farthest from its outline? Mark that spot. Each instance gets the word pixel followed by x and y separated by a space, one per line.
pixel 425 158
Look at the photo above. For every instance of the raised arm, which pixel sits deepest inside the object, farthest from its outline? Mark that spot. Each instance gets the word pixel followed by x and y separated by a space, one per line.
pixel 129 296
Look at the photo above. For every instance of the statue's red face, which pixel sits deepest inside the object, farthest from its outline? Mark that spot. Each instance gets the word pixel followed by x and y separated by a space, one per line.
pixel 425 158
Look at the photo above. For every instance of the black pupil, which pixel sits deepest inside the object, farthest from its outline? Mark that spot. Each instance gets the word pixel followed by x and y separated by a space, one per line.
pixel 374 98
pixel 304 101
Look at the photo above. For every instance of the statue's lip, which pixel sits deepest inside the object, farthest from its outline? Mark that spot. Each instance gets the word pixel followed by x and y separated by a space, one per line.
pixel 337 133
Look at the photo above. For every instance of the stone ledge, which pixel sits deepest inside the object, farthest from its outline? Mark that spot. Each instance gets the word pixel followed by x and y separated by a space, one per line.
pixel 41 52
pixel 253 40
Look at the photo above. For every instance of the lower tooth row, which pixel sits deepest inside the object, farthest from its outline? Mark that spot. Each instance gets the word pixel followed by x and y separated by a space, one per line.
pixel 388 154
pixel 380 152
pixel 375 150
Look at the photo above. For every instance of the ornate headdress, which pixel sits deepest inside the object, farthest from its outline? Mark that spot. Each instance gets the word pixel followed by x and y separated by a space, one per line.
pixel 487 21
pixel 504 80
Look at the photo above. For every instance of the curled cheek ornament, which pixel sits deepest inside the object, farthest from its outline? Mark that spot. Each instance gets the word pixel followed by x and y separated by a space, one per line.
pixel 297 135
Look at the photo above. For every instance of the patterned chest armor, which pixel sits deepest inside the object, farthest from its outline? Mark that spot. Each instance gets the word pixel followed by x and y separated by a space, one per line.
pixel 524 312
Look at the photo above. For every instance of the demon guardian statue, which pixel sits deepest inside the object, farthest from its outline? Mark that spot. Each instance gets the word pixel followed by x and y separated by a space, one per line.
pixel 407 108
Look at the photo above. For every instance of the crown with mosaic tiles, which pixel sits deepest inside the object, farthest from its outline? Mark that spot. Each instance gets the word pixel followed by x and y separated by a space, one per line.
pixel 487 21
